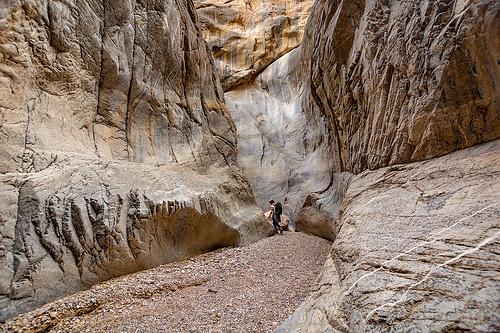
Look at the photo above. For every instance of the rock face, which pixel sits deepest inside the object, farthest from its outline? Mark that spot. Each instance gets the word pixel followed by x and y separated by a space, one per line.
pixel 376 85
pixel 246 36
pixel 417 250
pixel 416 245
pixel 407 80
pixel 136 77
pixel 117 151
pixel 283 150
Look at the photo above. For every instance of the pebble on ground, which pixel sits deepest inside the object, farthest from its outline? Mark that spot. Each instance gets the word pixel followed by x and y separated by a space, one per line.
pixel 247 289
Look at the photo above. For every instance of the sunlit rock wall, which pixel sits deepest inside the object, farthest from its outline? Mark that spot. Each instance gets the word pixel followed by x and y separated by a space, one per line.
pixel 283 149
pixel 246 36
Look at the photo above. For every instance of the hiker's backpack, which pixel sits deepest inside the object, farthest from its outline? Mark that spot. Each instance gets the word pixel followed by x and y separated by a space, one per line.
pixel 278 208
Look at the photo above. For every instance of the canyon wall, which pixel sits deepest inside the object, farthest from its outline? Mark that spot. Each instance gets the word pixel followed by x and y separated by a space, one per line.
pixel 117 150
pixel 374 83
pixel 401 81
pixel 404 81
pixel 284 143
pixel 418 250
pixel 246 36
pixel 417 243
pixel 362 132
pixel 283 150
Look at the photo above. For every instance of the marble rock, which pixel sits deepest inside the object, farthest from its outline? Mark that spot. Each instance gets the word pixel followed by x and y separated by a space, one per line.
pixel 246 36
pixel 417 250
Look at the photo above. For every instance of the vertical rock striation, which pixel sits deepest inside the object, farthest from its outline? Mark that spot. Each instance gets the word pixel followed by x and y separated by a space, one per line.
pixel 117 151
pixel 282 149
pixel 136 76
pixel 416 245
pixel 405 81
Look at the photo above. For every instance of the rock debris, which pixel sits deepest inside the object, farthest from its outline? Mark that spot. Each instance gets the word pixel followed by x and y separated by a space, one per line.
pixel 247 289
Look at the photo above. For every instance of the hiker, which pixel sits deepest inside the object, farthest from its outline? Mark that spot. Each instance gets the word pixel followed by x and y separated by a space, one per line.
pixel 276 210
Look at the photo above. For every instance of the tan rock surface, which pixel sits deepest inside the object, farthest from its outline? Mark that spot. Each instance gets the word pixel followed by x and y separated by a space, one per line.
pixel 246 36
pixel 117 152
pixel 132 82
pixel 283 149
pixel 375 83
pixel 417 250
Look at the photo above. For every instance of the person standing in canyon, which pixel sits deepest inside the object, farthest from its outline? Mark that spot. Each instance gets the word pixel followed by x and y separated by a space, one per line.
pixel 276 210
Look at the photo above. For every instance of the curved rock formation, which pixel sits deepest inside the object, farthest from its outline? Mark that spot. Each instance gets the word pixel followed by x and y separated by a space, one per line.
pixel 377 84
pixel 417 250
pixel 283 150
pixel 246 36
pixel 416 246
pixel 373 84
pixel 117 150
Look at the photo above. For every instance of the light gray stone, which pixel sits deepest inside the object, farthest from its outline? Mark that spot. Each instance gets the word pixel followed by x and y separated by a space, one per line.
pixel 86 220
pixel 404 81
pixel 417 250
pixel 283 149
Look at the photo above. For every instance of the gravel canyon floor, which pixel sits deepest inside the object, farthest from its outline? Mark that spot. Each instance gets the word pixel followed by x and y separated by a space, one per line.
pixel 248 289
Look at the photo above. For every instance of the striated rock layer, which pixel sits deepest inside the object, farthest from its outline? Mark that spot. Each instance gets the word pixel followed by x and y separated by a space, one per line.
pixel 283 150
pixel 375 83
pixel 246 36
pixel 117 151
pixel 121 80
pixel 403 81
pixel 418 250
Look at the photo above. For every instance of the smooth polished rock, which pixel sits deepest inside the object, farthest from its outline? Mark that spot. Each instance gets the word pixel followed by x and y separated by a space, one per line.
pixel 417 250
pixel 283 149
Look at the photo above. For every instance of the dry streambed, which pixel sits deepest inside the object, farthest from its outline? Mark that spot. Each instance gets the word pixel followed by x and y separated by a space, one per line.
pixel 250 289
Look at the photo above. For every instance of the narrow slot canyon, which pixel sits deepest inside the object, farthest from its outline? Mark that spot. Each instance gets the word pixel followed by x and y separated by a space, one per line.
pixel 141 142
